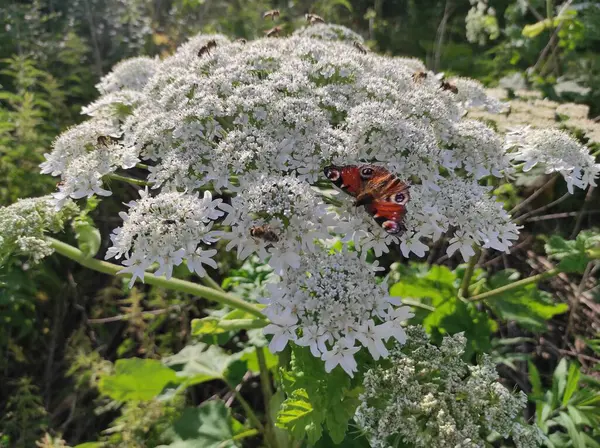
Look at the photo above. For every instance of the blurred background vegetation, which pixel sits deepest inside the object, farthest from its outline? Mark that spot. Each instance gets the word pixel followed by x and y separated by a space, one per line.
pixel 58 330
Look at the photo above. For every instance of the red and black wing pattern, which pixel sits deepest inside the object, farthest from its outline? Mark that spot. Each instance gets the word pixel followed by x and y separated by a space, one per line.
pixel 383 194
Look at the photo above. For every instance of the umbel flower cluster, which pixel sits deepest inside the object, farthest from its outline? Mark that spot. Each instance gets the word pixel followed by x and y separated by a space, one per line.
pixel 24 223
pixel 431 398
pixel 257 122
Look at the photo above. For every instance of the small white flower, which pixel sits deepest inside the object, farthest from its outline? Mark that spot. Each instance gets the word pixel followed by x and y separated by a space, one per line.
pixel 341 354
pixel 283 329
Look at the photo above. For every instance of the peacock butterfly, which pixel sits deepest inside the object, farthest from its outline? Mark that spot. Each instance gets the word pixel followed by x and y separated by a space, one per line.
pixel 383 195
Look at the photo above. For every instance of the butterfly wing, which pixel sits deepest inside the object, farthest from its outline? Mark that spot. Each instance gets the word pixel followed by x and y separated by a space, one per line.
pixel 346 178
pixel 383 194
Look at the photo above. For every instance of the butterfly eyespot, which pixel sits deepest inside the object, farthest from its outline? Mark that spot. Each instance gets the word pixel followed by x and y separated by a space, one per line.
pixel 366 172
pixel 400 198
pixel 391 227
pixel 332 173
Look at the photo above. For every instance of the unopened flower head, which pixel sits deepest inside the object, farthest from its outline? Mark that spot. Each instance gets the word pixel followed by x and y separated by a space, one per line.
pixel 166 229
pixel 332 304
pixel 24 223
pixel 430 397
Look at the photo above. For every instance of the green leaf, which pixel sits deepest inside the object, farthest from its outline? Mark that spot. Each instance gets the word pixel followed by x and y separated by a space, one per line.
pixel 530 307
pixel 574 255
pixel 317 398
pixel 198 363
pixel 137 379
pixel 208 426
pixel 249 355
pixel 536 29
pixel 559 381
pixel 88 236
pixel 565 420
pixel 90 445
pixel 298 416
pixel 572 383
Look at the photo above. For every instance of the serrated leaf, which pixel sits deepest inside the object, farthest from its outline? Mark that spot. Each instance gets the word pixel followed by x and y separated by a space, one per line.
pixel 208 426
pixel 337 420
pixel 298 416
pixel 573 255
pixel 137 379
pixel 198 363
pixel 528 306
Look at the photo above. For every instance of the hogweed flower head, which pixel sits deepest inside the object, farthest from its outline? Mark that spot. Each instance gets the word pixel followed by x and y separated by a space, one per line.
pixel 166 229
pixel 259 121
pixel 430 397
pixel 557 152
pixel 24 224
pixel 333 298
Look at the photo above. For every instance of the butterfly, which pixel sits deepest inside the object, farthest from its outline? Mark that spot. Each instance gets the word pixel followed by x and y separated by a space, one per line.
pixel 383 195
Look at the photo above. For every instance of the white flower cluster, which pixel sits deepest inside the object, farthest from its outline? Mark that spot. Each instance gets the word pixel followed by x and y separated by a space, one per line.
pixel 429 397
pixel 166 229
pixel 277 218
pixel 84 154
pixel 329 32
pixel 260 121
pixel 333 298
pixel 130 74
pixel 558 152
pixel 24 223
pixel 481 23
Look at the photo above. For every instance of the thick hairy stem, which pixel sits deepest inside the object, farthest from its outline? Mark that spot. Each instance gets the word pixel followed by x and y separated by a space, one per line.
pixel 265 383
pixel 517 284
pixel 174 284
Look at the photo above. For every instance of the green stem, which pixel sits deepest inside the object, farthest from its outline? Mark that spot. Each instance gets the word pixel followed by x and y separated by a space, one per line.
pixel 208 281
pixel 129 180
pixel 242 324
pixel 142 166
pixel 250 413
pixel 245 434
pixel 265 382
pixel 417 304
pixel 466 281
pixel 517 284
pixel 174 284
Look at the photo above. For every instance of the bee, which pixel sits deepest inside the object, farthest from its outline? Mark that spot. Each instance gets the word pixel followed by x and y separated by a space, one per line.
pixel 419 76
pixel 360 47
pixel 265 233
pixel 169 222
pixel 273 32
pixel 206 48
pixel 241 40
pixel 313 18
pixel 104 140
pixel 60 183
pixel 274 13
pixel 449 86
